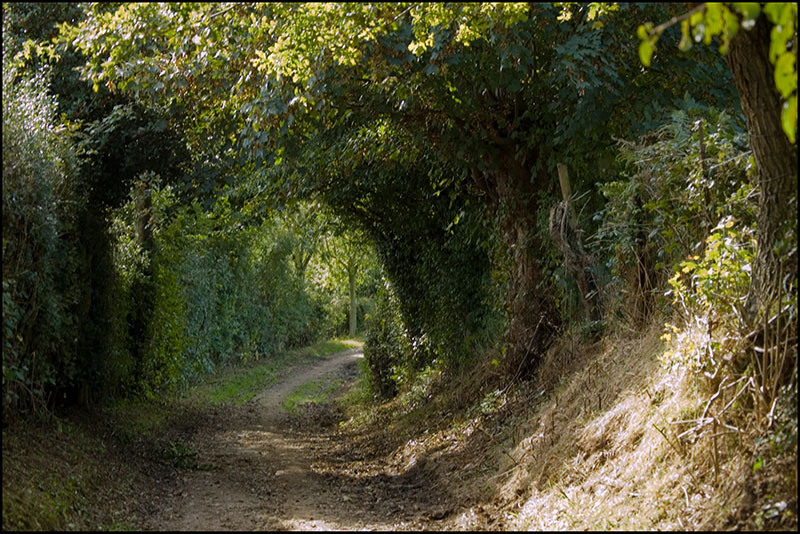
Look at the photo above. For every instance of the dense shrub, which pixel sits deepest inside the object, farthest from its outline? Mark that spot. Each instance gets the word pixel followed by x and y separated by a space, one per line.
pixel 216 291
pixel 387 350
pixel 679 235
pixel 40 265
pixel 435 249
pixel 667 202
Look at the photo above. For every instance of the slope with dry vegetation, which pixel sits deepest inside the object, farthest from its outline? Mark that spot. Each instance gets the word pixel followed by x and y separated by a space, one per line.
pixel 606 437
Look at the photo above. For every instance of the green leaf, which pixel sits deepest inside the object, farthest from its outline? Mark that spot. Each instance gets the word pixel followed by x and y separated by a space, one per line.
pixel 781 13
pixel 782 31
pixel 731 27
pixel 785 74
pixel 748 10
pixel 713 21
pixel 646 49
pixel 696 19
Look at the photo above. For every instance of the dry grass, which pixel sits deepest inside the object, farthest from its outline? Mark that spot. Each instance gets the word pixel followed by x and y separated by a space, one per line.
pixel 601 439
pixel 607 450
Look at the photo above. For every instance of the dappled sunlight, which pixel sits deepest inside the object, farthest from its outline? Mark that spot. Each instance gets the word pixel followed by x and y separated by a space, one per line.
pixel 399 266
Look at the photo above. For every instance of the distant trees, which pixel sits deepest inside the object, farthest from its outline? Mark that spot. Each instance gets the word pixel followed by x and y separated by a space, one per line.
pixel 346 251
pixel 129 266
pixel 331 258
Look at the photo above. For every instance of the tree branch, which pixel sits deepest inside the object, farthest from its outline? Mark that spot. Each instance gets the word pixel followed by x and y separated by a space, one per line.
pixel 218 13
pixel 678 18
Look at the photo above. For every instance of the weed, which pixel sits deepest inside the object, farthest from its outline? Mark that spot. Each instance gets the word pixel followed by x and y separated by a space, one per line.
pixel 136 419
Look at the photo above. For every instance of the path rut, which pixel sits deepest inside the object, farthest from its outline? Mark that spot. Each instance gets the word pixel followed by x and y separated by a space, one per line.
pixel 264 470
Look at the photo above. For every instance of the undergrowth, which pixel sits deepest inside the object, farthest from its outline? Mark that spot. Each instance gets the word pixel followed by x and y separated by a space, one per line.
pixel 55 478
pixel 604 437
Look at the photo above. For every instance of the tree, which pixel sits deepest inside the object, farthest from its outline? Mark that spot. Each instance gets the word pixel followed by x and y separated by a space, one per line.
pixel 40 265
pixel 769 101
pixel 776 160
pixel 346 250
pixel 500 92
pixel 306 224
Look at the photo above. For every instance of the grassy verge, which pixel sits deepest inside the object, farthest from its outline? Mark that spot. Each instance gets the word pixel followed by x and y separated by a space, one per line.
pixel 56 476
pixel 141 418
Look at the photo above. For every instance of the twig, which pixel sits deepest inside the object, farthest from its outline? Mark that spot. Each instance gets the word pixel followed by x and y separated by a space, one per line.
pixel 502 449
pixel 713 398
pixel 716 453
pixel 730 427
pixel 737 394
pixel 661 431
pixel 507 471
pixel 218 13
pixel 664 435
pixel 678 18
pixel 409 8
pixel 565 495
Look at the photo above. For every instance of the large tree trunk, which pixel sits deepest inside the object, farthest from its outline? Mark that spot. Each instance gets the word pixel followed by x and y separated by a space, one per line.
pixel 776 158
pixel 532 315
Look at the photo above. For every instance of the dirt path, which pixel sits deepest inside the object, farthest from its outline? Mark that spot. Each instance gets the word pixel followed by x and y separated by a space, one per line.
pixel 266 470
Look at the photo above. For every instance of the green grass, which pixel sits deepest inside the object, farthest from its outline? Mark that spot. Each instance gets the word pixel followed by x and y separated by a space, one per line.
pixel 235 385
pixel 325 348
pixel 318 391
pixel 360 395
pixel 47 475
pixel 240 384
pixel 52 471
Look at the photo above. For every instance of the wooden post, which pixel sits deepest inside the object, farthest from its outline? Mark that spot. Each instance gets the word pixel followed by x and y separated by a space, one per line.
pixel 144 211
pixel 563 231
pixel 566 191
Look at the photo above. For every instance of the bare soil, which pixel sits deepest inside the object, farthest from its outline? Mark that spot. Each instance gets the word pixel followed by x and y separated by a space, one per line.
pixel 260 468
